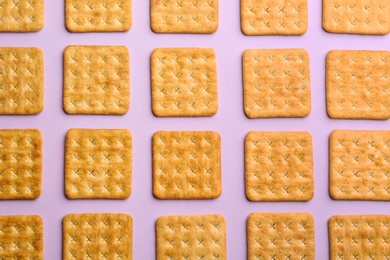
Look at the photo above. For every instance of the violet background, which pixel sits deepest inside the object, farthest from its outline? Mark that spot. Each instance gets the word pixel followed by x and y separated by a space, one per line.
pixel 230 121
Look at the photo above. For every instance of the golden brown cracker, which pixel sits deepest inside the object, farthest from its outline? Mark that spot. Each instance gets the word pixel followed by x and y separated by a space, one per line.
pixel 21 237
pixel 359 165
pixel 359 237
pixel 98 15
pixel 21 80
pixel 276 83
pixel 191 237
pixel 96 80
pixel 98 163
pixel 184 16
pixel 279 166
pixel 356 16
pixel 274 17
pixel 97 236
pixel 187 165
pixel 20 164
pixel 281 236
pixel 21 15
pixel 357 84
pixel 184 82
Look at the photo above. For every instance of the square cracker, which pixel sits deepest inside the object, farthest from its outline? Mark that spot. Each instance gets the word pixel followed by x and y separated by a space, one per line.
pixel 96 80
pixel 281 236
pixel 357 85
pixel 279 166
pixel 191 237
pixel 97 236
pixel 187 165
pixel 98 164
pixel 359 165
pixel 356 16
pixel 21 80
pixel 21 15
pixel 184 16
pixel 21 237
pixel 359 237
pixel 20 164
pixel 98 15
pixel 276 83
pixel 274 17
pixel 184 82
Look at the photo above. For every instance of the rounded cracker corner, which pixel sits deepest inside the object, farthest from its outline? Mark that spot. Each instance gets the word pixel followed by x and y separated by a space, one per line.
pixel 249 113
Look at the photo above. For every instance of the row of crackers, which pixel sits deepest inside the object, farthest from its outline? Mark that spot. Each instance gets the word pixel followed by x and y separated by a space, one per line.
pixel 187 165
pixel 269 236
pixel 276 82
pixel 268 17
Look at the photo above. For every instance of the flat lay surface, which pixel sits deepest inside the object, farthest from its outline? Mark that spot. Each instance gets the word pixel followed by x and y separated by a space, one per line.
pixel 230 122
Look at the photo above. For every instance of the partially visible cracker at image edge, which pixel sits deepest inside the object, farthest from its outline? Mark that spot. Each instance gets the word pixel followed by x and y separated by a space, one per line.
pixel 270 17
pixel 191 237
pixel 279 166
pixel 20 164
pixel 358 85
pixel 98 15
pixel 97 236
pixel 276 83
pixel 186 16
pixel 359 237
pixel 359 165
pixel 98 164
pixel 21 80
pixel 356 16
pixel 21 237
pixel 187 165
pixel 184 82
pixel 281 236
pixel 21 15
pixel 96 80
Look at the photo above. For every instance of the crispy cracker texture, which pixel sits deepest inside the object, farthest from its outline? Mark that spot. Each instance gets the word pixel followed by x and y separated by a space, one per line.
pixel 184 16
pixel 359 162
pixel 98 164
pixel 184 82
pixel 276 83
pixel 21 80
pixel 187 165
pixel 279 166
pixel 191 237
pixel 97 236
pixel 20 164
pixel 98 15
pixel 281 236
pixel 96 80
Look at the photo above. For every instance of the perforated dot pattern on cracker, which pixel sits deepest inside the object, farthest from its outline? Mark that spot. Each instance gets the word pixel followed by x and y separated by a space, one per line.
pixel 279 166
pixel 98 163
pixel 356 16
pixel 21 237
pixel 20 164
pixel 184 82
pixel 97 236
pixel 96 80
pixel 281 236
pixel 358 84
pixel 184 16
pixel 359 165
pixel 191 237
pixel 21 15
pixel 274 17
pixel 359 237
pixel 187 165
pixel 276 83
pixel 98 15
pixel 21 80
